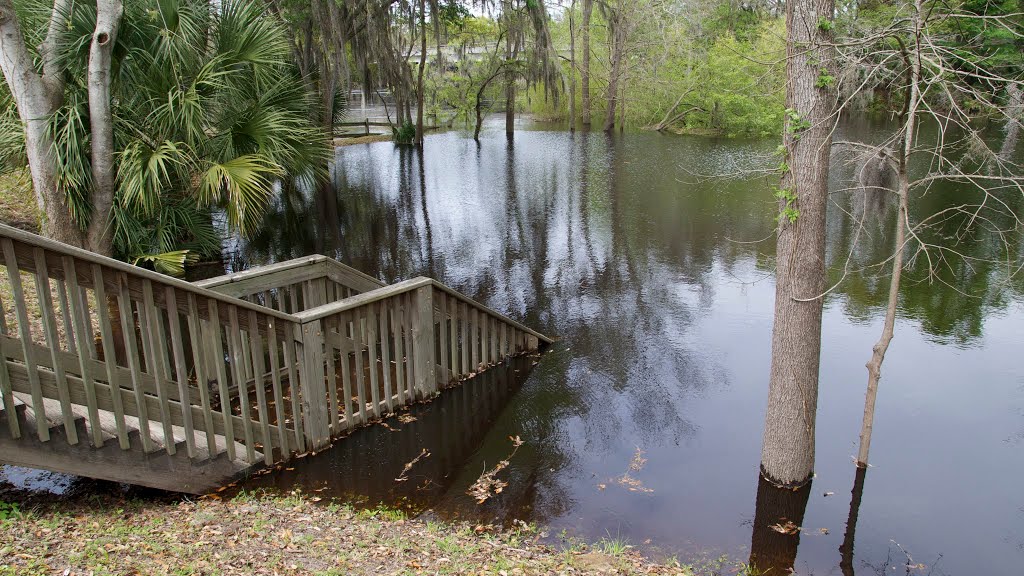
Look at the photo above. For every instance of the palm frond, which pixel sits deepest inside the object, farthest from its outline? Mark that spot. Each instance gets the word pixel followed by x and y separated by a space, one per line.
pixel 242 186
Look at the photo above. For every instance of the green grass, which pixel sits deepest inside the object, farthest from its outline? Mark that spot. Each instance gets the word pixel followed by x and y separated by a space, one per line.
pixel 614 546
pixel 17 200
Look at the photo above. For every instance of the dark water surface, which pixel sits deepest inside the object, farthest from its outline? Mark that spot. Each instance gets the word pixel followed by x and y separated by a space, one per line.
pixel 653 280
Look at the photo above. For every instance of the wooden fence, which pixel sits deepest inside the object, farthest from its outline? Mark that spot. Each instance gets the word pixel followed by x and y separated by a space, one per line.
pixel 259 365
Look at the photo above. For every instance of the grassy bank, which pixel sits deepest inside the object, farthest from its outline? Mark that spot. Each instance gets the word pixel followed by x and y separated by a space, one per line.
pixel 107 532
pixel 362 139
pixel 17 201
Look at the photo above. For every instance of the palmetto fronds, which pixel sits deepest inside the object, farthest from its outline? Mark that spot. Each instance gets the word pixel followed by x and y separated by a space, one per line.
pixel 209 114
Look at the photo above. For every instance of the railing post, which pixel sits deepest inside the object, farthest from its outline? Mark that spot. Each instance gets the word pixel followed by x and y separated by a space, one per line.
pixel 315 410
pixel 423 341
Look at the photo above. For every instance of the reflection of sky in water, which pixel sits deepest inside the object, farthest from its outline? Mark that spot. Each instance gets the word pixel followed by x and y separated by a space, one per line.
pixel 619 248
pixel 32 479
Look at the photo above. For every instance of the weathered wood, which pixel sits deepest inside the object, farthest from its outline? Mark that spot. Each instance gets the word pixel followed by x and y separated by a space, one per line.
pixel 77 316
pixel 222 378
pixel 346 375
pixel 312 382
pixel 452 336
pixel 474 338
pixel 236 352
pixel 52 342
pixel 62 302
pixel 156 357
pixel 370 319
pixel 385 350
pixel 261 389
pixel 104 394
pixel 6 392
pixel 134 362
pixel 397 326
pixel 441 301
pixel 274 349
pixel 180 373
pixel 464 336
pixel 423 342
pixel 133 466
pixel 201 365
pixel 292 360
pixel 331 335
pixel 357 337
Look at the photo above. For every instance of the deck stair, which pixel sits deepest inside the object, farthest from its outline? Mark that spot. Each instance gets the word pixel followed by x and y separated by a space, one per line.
pixel 115 372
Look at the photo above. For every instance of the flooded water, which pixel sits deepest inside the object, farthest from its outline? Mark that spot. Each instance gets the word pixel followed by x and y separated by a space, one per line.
pixel 658 283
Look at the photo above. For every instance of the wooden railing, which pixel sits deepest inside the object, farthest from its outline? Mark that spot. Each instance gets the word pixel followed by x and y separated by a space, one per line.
pixel 129 350
pixel 259 365
pixel 376 348
pixel 294 285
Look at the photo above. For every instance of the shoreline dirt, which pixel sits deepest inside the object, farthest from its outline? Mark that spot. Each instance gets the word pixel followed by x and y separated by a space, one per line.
pixel 104 529
pixel 339 142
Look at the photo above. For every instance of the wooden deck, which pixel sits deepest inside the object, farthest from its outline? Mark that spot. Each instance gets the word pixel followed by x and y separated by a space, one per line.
pixel 115 372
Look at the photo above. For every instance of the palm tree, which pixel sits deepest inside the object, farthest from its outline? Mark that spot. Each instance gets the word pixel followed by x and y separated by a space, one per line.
pixel 208 115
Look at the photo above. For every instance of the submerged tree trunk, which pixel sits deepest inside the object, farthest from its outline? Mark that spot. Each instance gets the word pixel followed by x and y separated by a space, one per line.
pixel 511 50
pixel 588 9
pixel 572 68
pixel 787 454
pixel 775 538
pixel 423 67
pixel 101 125
pixel 37 97
pixel 617 41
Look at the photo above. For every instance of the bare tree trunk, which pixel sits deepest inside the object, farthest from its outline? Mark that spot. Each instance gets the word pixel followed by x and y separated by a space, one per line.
pixel 617 31
pixel 787 454
pixel 511 52
pixel 423 67
pixel 101 125
pixel 874 365
pixel 38 96
pixel 479 98
pixel 622 105
pixel 572 68
pixel 588 9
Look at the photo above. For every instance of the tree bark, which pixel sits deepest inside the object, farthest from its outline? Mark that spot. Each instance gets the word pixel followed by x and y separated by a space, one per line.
pixel 616 29
pixel 101 125
pixel 787 454
pixel 423 67
pixel 572 68
pixel 37 97
pixel 511 52
pixel 588 9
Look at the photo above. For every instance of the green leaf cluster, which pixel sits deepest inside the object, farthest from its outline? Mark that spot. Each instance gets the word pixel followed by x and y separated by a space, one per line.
pixel 209 114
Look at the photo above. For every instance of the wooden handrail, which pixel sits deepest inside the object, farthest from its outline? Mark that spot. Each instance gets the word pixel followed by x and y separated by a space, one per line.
pixel 402 287
pixel 46 243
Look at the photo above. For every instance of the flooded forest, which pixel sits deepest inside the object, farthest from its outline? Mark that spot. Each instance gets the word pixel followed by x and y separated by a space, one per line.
pixel 748 273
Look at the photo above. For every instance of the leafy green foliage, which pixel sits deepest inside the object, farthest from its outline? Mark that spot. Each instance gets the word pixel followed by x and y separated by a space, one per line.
pixel 795 123
pixel 824 79
pixel 209 114
pixel 404 133
pixel 9 511
pixel 788 200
